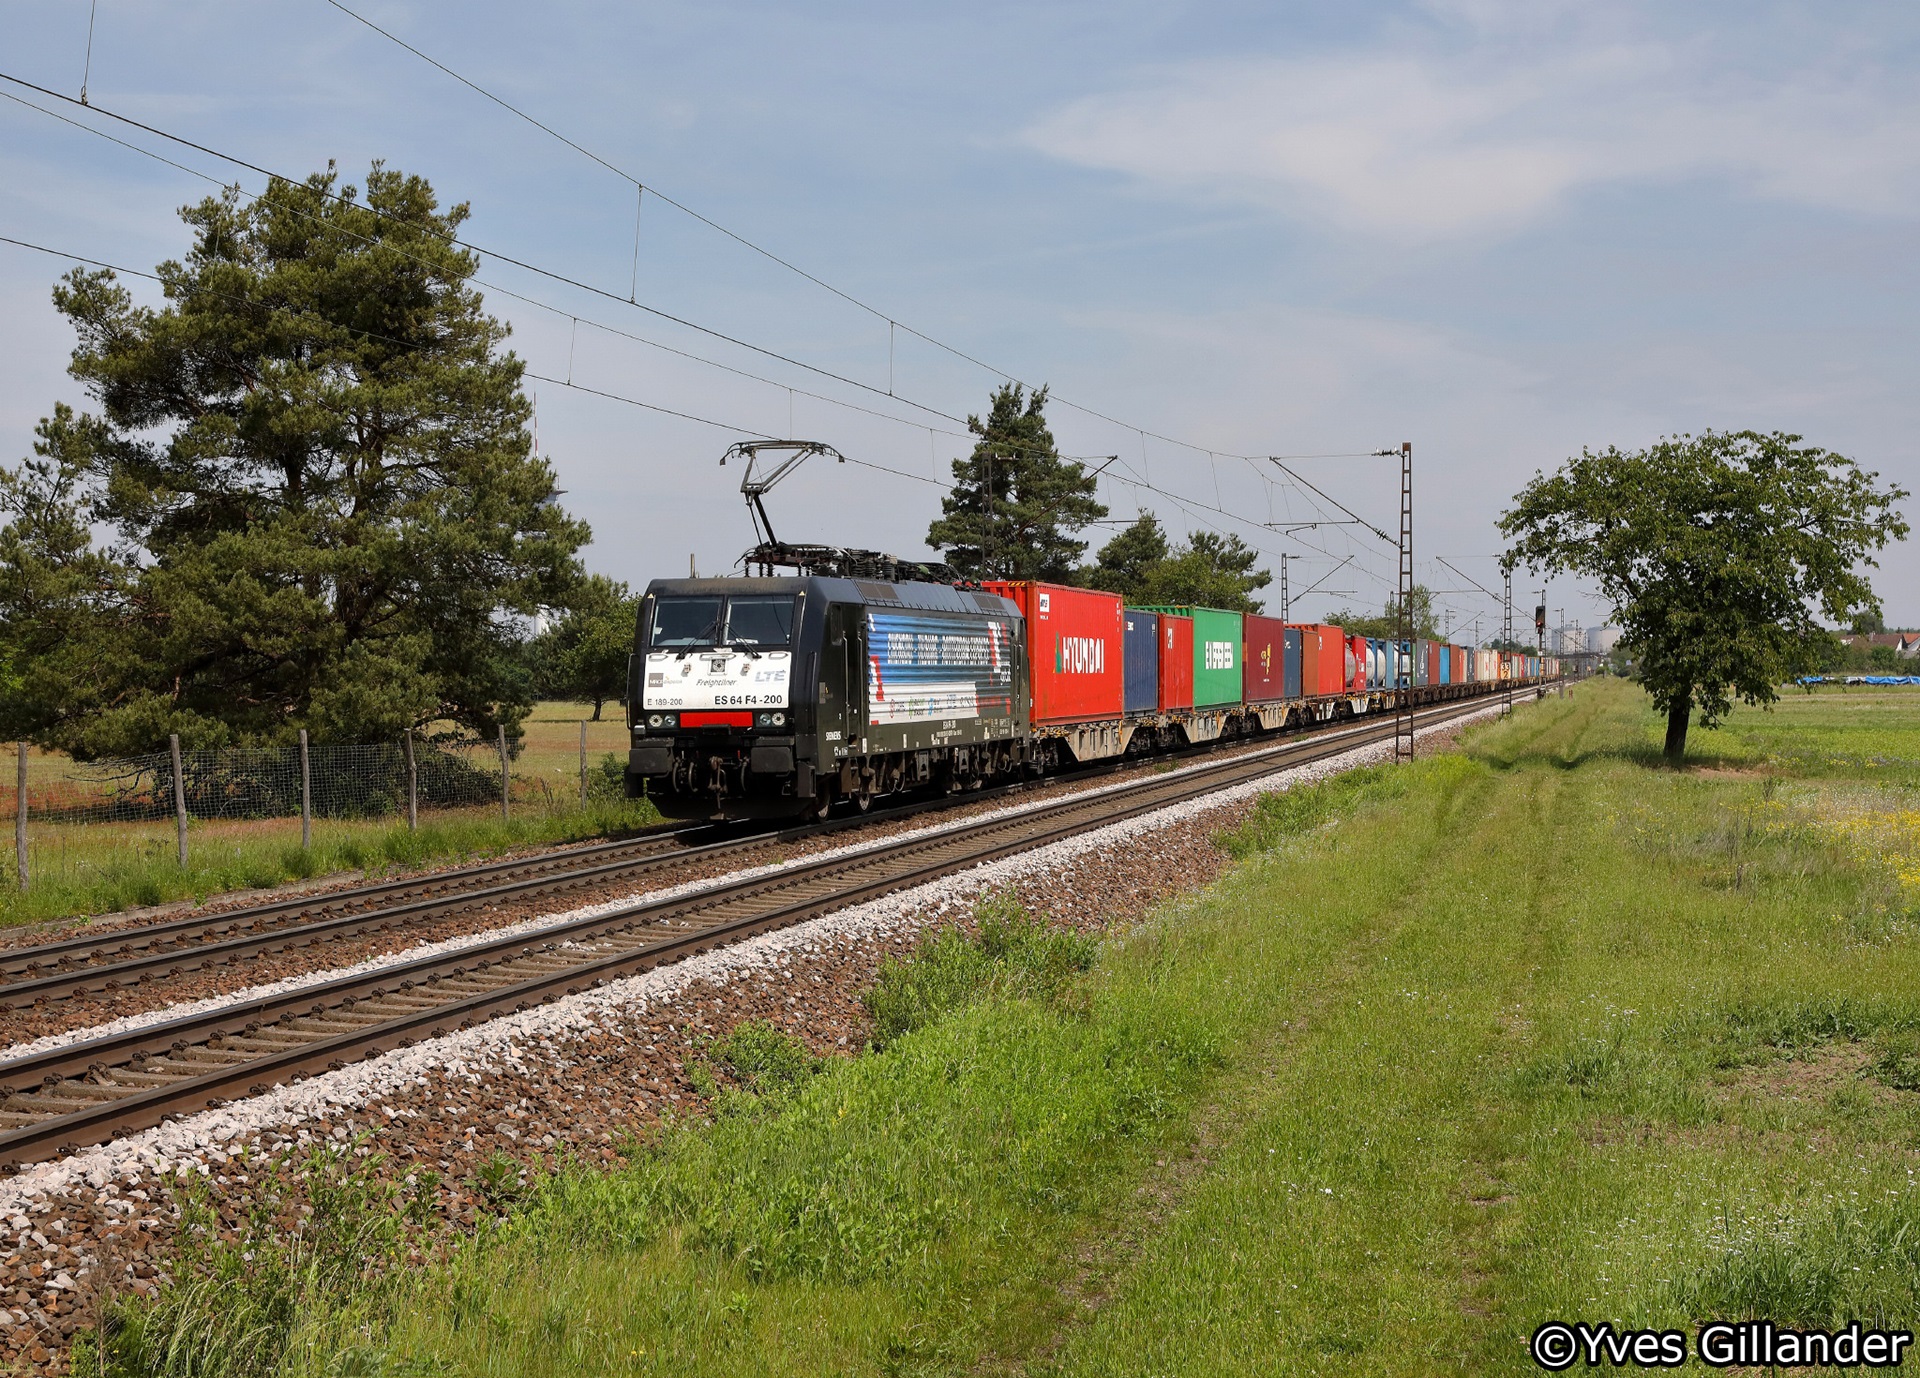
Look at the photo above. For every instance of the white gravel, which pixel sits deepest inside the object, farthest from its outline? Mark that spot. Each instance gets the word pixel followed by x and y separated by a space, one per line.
pixel 503 1044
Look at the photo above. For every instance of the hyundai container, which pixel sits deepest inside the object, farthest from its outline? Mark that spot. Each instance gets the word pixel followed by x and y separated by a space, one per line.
pixel 1075 650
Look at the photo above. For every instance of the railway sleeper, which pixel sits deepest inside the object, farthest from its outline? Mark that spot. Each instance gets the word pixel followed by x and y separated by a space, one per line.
pixel 129 1077
pixel 47 1105
pixel 215 1057
pixel 77 1093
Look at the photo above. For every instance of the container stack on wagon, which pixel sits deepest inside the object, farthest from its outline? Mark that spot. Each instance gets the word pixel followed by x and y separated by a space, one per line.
pixel 1218 648
pixel 1076 650
pixel 1176 662
pixel 1271 677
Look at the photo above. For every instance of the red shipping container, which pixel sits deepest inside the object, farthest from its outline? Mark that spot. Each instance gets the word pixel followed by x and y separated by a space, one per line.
pixel 1075 652
pixel 1176 662
pixel 1265 671
pixel 1433 662
pixel 1323 659
pixel 1357 665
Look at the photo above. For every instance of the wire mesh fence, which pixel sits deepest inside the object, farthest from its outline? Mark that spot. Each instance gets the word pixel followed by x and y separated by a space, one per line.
pixel 358 781
pixel 154 802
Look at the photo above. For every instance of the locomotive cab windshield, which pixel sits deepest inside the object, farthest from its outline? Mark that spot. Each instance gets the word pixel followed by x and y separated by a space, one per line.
pixel 749 621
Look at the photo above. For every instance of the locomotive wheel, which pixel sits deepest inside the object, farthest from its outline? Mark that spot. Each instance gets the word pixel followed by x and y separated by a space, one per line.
pixel 822 804
pixel 863 798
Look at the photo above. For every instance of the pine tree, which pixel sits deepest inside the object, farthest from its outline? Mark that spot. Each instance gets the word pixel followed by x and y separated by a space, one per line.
pixel 1015 503
pixel 315 462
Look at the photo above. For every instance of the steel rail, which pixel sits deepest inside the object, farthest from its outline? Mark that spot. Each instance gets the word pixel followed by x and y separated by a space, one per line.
pixel 18 961
pixel 244 1047
pixel 76 956
pixel 105 962
pixel 146 954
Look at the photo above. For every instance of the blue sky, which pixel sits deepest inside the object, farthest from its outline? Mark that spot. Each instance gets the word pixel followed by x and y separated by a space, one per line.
pixel 1500 231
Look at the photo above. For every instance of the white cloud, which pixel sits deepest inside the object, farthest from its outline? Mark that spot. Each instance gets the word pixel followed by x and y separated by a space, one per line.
pixel 1411 142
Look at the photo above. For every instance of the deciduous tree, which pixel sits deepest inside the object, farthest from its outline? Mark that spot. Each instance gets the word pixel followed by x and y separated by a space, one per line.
pixel 1205 570
pixel 1386 625
pixel 583 656
pixel 1718 553
pixel 1128 561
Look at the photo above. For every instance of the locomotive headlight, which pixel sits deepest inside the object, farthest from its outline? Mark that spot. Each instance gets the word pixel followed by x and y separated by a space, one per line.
pixel 764 719
pixel 779 719
pixel 655 720
pixel 669 720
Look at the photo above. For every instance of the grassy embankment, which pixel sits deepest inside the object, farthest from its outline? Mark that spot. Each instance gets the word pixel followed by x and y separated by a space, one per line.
pixel 105 867
pixel 1541 1030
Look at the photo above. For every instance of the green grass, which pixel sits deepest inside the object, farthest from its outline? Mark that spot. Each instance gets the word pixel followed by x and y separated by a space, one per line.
pixel 104 870
pixel 1831 731
pixel 1539 1030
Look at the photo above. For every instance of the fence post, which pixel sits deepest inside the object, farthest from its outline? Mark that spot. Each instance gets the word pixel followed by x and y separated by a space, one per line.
pixel 413 787
pixel 505 779
pixel 179 797
pixel 583 765
pixel 306 796
pixel 20 817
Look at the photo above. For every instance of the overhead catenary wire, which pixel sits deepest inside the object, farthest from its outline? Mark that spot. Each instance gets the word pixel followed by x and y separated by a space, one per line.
pixel 1193 510
pixel 1186 504
pixel 469 246
pixel 893 322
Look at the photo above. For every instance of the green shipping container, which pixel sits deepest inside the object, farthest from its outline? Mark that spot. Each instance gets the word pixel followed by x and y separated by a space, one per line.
pixel 1218 645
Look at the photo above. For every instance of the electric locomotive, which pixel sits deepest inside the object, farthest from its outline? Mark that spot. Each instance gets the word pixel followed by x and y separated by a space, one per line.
pixel 777 696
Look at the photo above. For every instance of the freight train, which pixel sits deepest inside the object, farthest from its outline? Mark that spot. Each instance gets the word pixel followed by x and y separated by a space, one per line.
pixel 784 696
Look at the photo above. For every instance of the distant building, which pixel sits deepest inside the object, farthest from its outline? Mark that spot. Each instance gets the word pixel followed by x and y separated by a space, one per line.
pixel 1905 644
pixel 1573 641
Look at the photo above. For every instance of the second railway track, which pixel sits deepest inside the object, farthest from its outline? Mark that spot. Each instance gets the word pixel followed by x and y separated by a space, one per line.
pixel 92 1090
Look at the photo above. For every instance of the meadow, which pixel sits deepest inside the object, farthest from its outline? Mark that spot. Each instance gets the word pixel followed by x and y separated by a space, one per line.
pixel 1535 1029
pixel 103 868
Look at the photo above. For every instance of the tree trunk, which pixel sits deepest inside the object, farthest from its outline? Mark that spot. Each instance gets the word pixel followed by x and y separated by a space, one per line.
pixel 598 702
pixel 1677 717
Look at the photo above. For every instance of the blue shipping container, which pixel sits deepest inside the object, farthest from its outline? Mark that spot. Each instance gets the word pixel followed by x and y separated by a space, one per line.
pixel 1142 657
pixel 1290 672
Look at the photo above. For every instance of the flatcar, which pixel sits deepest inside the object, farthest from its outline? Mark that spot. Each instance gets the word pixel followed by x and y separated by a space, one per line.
pixel 784 696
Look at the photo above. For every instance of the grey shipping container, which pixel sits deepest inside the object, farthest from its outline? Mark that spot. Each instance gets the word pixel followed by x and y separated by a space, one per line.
pixel 1142 657
pixel 1293 663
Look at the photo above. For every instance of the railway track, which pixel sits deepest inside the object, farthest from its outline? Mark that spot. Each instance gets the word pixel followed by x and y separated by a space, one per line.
pixel 87 963
pixel 98 1089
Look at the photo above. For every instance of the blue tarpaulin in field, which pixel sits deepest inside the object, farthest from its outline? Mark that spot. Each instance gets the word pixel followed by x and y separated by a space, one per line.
pixel 1860 679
